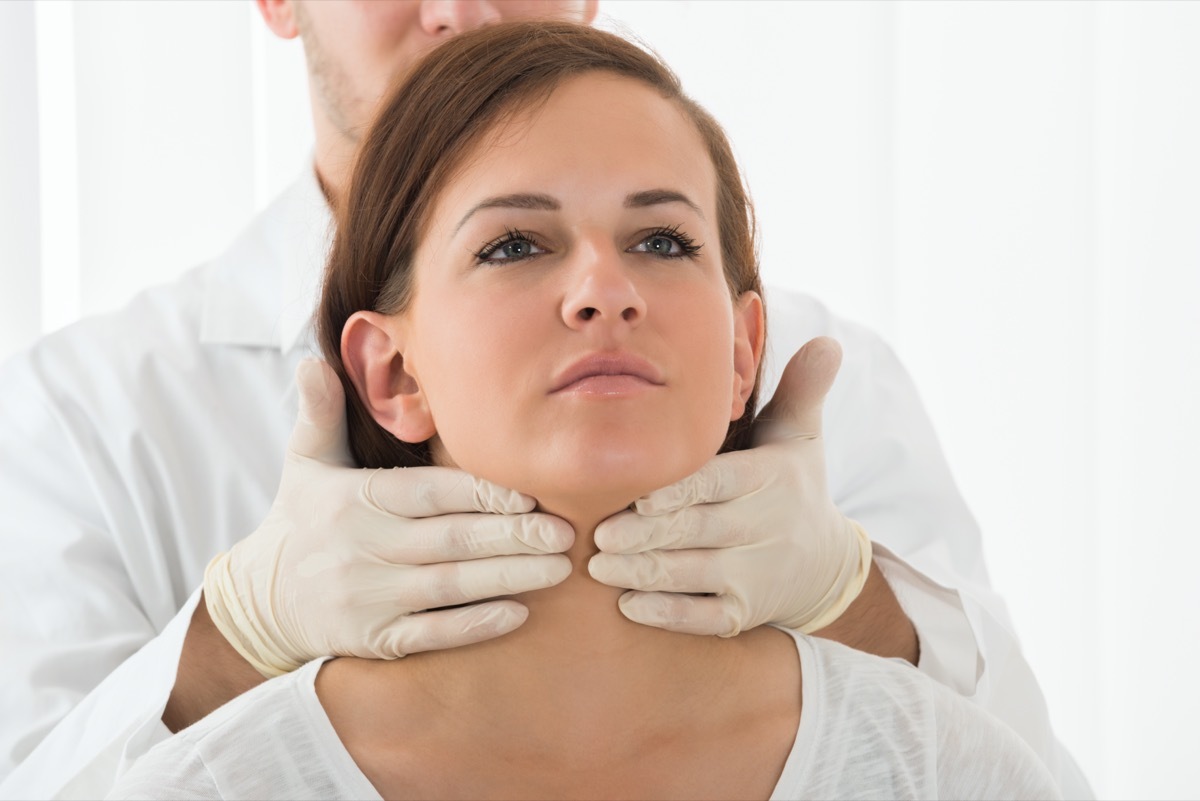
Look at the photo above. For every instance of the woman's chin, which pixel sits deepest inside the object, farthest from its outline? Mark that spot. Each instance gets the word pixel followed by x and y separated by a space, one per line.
pixel 593 469
pixel 598 493
pixel 589 501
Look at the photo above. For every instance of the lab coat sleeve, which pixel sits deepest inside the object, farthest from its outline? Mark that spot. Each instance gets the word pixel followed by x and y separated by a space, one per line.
pixel 84 672
pixel 119 721
pixel 887 471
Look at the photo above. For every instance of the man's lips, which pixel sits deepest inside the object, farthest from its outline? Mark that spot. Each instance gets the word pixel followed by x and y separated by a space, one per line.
pixel 605 371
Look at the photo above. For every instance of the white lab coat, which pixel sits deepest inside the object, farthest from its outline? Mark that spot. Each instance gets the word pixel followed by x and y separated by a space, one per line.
pixel 135 446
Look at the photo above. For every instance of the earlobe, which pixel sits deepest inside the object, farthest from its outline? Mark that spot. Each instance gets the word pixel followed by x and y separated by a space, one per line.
pixel 590 9
pixel 280 17
pixel 749 329
pixel 373 355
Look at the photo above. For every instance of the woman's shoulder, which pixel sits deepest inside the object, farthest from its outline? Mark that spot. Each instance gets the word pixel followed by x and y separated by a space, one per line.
pixel 843 672
pixel 981 757
pixel 880 724
pixel 279 724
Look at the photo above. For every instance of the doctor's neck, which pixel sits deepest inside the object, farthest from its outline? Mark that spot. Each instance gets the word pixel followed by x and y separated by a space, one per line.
pixel 332 184
pixel 334 151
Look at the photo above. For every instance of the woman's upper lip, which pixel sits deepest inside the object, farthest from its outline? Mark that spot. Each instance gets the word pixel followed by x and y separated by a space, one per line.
pixel 608 363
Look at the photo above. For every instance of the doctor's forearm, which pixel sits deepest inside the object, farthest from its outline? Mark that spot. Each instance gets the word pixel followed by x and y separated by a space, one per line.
pixel 875 623
pixel 211 673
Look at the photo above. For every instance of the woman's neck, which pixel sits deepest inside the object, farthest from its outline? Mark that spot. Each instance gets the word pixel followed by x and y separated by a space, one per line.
pixel 578 701
pixel 580 608
pixel 579 656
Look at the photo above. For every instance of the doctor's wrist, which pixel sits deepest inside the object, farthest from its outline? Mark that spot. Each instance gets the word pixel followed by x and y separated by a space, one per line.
pixel 875 623
pixel 211 673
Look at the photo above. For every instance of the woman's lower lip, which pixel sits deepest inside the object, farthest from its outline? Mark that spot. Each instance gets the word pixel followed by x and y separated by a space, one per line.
pixel 607 385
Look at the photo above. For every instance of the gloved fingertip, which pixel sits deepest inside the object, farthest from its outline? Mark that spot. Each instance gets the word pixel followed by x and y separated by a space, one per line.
pixel 607 535
pixel 319 391
pixel 644 608
pixel 317 378
pixel 499 500
pixel 496 619
pixel 806 380
pixel 680 613
pixel 308 367
pixel 560 568
pixel 548 534
pixel 597 567
pixel 823 352
pixel 702 486
pixel 668 499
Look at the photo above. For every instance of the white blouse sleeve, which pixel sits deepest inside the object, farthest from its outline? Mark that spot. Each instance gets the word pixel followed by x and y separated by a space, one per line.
pixel 977 757
pixel 167 776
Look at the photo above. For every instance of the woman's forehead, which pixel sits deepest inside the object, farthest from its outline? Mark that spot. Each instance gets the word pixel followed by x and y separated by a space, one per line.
pixel 600 132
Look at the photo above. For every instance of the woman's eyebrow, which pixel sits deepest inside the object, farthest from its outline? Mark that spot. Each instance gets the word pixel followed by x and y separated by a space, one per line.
pixel 540 202
pixel 654 197
pixel 518 200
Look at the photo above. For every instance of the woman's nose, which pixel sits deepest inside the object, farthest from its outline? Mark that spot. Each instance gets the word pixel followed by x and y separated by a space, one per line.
pixel 602 292
pixel 451 17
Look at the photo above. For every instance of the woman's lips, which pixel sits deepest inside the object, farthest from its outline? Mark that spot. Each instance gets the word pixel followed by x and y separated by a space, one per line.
pixel 608 374
pixel 607 385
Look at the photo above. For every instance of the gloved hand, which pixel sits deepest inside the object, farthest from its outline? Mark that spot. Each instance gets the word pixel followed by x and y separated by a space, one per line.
pixel 348 560
pixel 755 530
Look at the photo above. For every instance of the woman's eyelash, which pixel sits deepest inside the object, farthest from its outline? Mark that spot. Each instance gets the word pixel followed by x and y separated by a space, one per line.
pixel 510 235
pixel 689 245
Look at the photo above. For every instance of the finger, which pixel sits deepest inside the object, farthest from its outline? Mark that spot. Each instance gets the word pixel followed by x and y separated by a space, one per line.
pixel 704 526
pixel 320 431
pixel 722 478
pixel 471 535
pixel 496 499
pixel 720 615
pixel 448 628
pixel 795 409
pixel 416 589
pixel 659 571
pixel 430 491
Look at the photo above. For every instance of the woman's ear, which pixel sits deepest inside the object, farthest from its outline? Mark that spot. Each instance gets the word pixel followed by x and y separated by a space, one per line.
pixel 590 9
pixel 749 328
pixel 373 354
pixel 280 17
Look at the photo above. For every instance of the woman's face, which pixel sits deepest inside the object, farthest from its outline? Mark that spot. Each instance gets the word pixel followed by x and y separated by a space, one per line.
pixel 572 333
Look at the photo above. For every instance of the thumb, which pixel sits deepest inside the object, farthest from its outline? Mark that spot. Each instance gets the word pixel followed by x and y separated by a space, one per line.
pixel 798 401
pixel 320 431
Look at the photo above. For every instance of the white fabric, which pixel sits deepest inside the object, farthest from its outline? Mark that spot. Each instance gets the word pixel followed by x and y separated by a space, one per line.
pixel 137 445
pixel 869 728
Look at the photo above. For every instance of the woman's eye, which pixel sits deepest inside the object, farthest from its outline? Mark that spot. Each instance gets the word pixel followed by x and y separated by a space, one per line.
pixel 668 244
pixel 513 246
pixel 662 246
pixel 515 250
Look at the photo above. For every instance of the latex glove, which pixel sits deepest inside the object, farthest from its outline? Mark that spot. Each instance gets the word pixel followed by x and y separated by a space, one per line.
pixel 754 530
pixel 347 558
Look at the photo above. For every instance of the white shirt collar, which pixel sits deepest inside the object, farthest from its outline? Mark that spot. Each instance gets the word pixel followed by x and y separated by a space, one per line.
pixel 263 290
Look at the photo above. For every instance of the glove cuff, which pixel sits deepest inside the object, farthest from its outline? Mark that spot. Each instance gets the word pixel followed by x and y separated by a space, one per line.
pixel 851 585
pixel 239 629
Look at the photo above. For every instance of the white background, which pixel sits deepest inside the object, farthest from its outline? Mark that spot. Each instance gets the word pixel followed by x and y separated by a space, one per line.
pixel 1009 192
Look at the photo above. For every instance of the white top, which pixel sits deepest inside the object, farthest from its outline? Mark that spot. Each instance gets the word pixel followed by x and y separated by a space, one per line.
pixel 135 446
pixel 869 728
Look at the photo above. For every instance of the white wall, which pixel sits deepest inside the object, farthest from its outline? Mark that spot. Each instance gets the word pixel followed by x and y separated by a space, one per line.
pixel 153 132
pixel 1008 191
pixel 20 252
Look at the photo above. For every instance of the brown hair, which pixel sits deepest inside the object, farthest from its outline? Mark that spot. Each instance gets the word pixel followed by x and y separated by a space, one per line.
pixel 443 107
